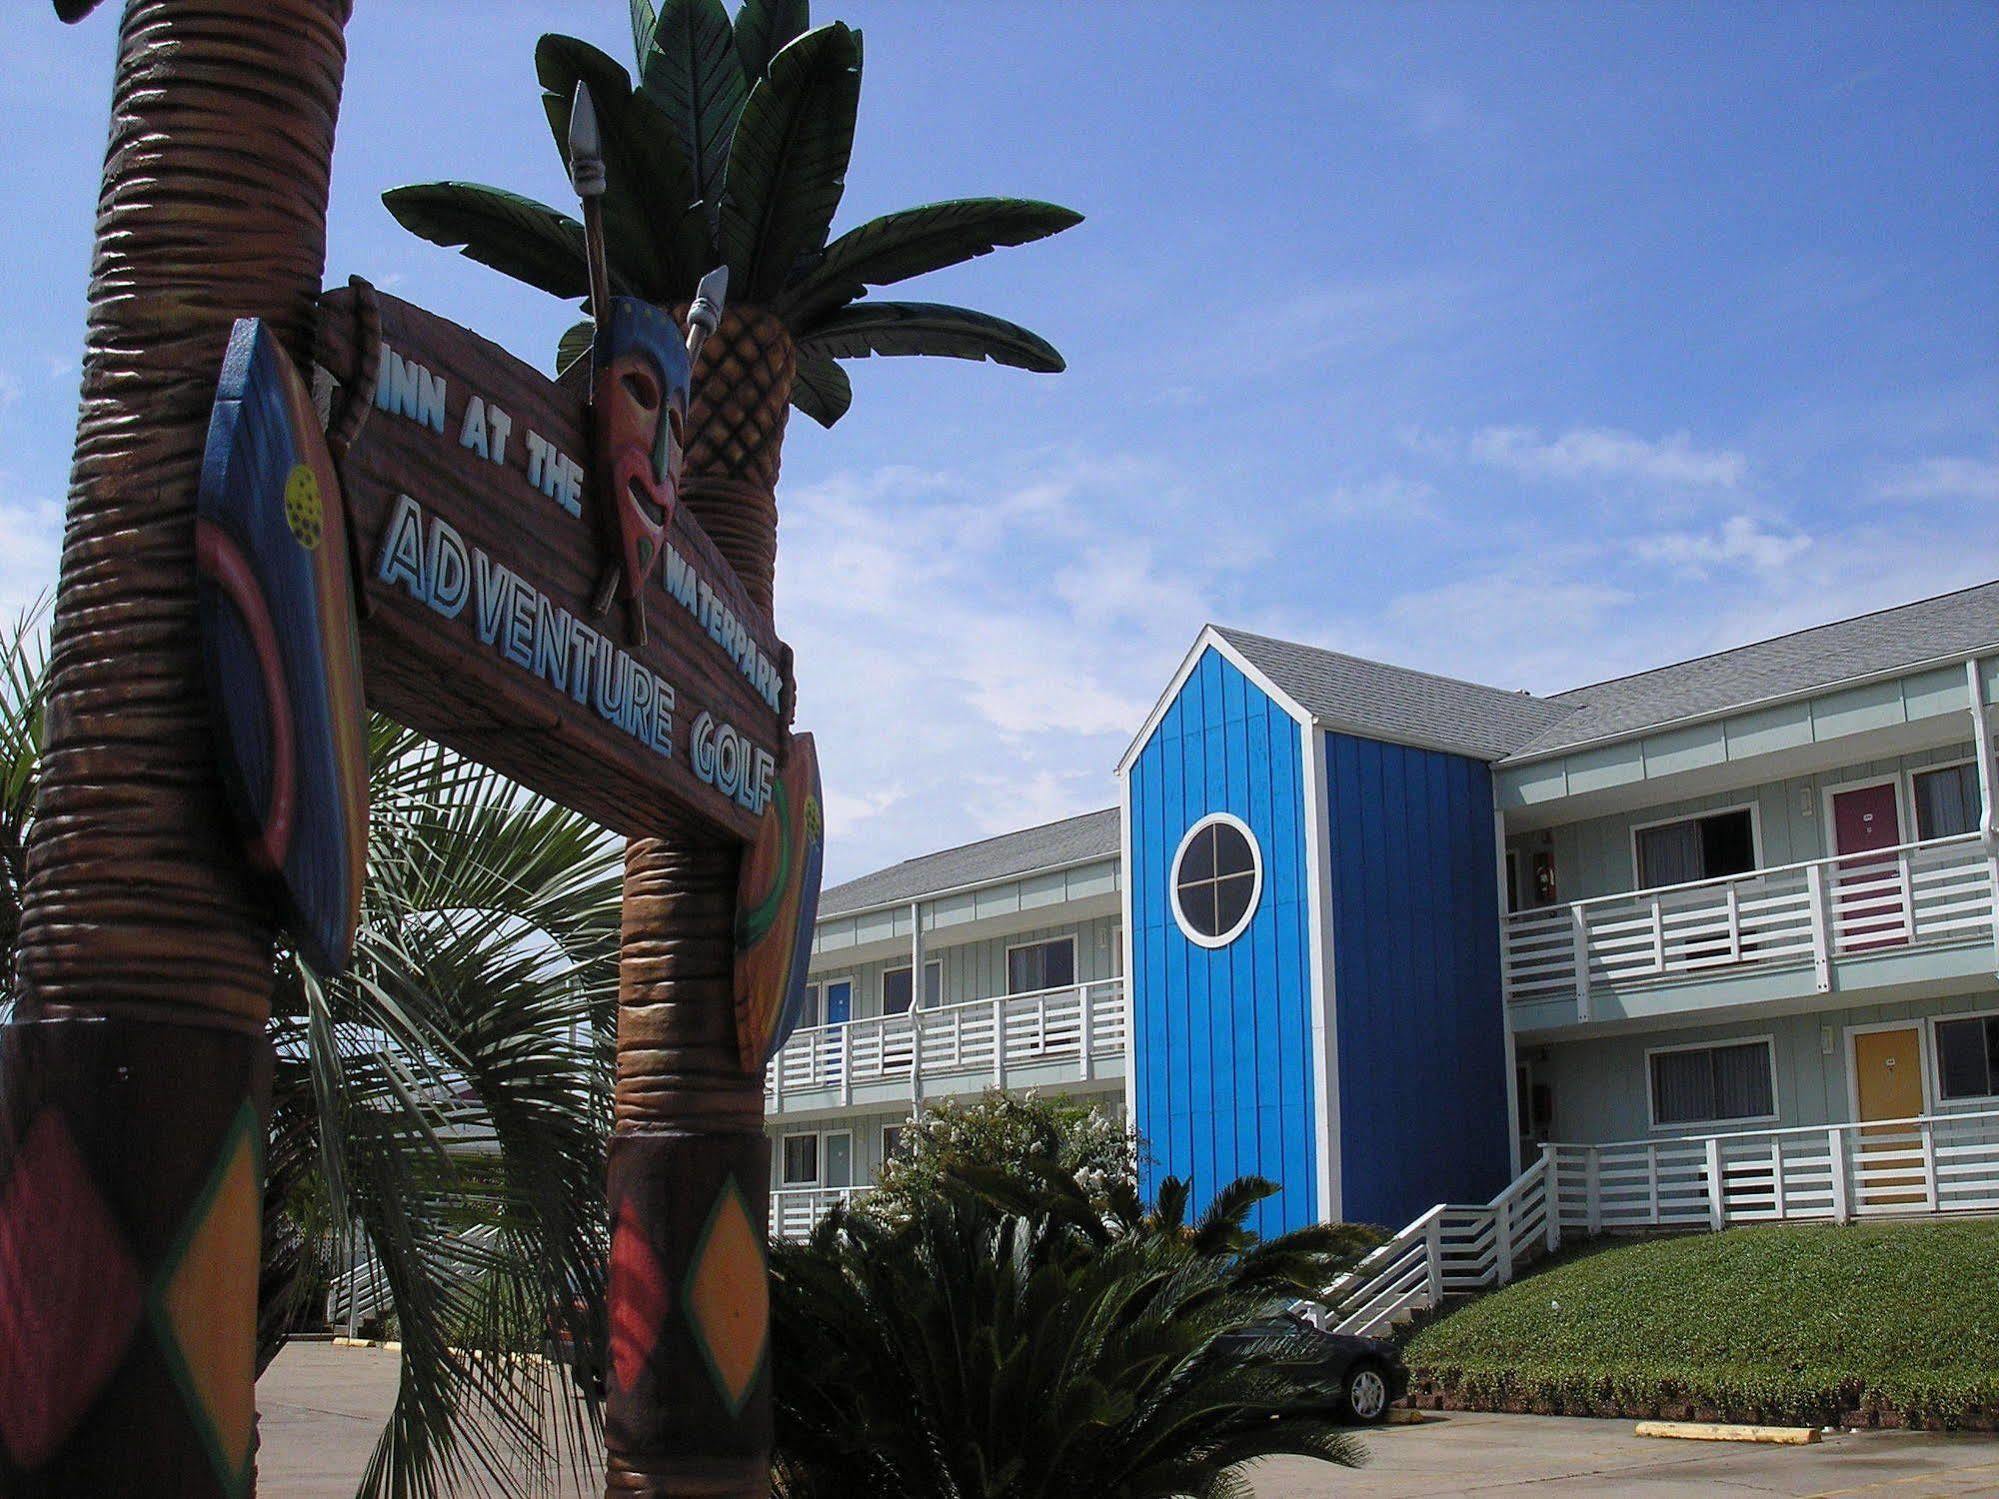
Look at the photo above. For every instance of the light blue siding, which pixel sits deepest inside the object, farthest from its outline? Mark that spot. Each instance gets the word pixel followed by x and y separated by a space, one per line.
pixel 1222 1037
pixel 1595 857
pixel 1598 1086
pixel 1415 913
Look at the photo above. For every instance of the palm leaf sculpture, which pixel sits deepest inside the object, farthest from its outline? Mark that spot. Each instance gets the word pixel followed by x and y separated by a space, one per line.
pixel 732 149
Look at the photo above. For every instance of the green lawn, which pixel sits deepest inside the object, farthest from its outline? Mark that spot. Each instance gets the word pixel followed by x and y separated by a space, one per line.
pixel 1792 1322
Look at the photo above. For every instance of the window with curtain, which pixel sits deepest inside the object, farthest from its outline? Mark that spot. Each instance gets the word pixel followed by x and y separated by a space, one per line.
pixel 1041 965
pixel 1713 1084
pixel 801 1160
pixel 1968 1058
pixel 1946 801
pixel 1696 848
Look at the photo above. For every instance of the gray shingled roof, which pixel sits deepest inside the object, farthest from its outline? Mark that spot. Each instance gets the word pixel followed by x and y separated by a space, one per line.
pixel 1397 703
pixel 1073 840
pixel 1952 624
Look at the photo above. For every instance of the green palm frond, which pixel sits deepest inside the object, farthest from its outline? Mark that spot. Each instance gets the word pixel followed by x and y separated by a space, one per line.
pixel 788 160
pixel 822 390
pixel 514 235
pixel 574 345
pixel 477 1009
pixel 690 69
pixel 644 18
pixel 731 148
pixel 655 235
pixel 913 242
pixel 897 328
pixel 765 28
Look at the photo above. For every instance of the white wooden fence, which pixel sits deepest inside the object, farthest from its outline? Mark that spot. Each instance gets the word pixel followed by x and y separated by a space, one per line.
pixel 1940 891
pixel 985 1040
pixel 1448 1250
pixel 795 1211
pixel 1938 1163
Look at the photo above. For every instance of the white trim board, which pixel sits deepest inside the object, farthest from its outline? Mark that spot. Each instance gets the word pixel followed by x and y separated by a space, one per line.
pixel 1323 1007
pixel 1209 637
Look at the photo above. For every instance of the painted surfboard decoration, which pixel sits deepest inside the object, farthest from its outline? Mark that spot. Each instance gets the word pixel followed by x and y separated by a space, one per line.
pixel 278 641
pixel 777 902
pixel 640 382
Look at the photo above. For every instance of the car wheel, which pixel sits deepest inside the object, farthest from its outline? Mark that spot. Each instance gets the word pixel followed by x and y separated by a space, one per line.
pixel 1367 1393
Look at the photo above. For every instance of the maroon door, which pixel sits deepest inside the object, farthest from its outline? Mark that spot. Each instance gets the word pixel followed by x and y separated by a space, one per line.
pixel 1868 903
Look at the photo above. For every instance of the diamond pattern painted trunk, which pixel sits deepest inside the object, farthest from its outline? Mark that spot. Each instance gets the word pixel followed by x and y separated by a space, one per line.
pixel 688 1402
pixel 134 1076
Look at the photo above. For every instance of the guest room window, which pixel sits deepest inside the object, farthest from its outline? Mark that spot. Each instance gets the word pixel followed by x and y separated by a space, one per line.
pixel 1946 801
pixel 1217 876
pixel 1034 966
pixel 1696 848
pixel 801 1160
pixel 1713 1084
pixel 1968 1058
pixel 895 988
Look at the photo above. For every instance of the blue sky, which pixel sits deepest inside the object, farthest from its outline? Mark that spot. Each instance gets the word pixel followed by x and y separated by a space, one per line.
pixel 1527 343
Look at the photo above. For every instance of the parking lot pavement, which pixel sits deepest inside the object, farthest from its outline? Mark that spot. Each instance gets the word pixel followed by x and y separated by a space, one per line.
pixel 1471 1453
pixel 322 1410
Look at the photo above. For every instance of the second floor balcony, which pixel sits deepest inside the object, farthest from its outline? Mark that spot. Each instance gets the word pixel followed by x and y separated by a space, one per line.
pixel 1922 912
pixel 1070 1037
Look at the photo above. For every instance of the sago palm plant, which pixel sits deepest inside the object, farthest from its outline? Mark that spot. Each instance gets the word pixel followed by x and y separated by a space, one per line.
pixel 980 1353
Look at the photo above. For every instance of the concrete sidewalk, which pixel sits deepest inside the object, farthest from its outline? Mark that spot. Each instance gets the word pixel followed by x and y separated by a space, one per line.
pixel 323 1408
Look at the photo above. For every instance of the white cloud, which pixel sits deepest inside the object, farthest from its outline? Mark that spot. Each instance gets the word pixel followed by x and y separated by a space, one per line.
pixel 10 389
pixel 30 550
pixel 1943 479
pixel 972 657
pixel 1740 541
pixel 1584 453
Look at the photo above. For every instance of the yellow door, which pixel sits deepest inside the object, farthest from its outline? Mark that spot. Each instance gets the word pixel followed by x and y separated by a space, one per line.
pixel 1888 1084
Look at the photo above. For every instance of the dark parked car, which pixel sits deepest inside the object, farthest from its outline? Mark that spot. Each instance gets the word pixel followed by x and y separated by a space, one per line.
pixel 1362 1376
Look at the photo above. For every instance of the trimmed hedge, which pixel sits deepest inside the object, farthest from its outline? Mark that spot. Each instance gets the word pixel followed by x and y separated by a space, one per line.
pixel 1890 1324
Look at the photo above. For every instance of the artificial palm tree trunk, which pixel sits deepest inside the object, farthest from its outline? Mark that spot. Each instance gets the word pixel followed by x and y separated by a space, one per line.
pixel 133 1076
pixel 688 1408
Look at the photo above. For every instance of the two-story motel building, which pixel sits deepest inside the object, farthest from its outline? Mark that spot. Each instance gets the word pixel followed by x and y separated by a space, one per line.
pixel 1381 935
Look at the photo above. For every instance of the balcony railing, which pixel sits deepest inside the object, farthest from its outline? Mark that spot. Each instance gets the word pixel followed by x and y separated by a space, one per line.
pixel 795 1210
pixel 1917 894
pixel 986 1041
pixel 1937 1163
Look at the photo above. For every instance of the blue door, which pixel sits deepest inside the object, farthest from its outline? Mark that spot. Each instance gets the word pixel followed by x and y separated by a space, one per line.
pixel 840 1002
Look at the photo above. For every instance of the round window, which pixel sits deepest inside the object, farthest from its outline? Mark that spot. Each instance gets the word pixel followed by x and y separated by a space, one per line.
pixel 1217 876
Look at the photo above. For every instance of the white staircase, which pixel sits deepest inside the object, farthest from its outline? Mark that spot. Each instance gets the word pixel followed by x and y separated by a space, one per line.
pixel 1451 1248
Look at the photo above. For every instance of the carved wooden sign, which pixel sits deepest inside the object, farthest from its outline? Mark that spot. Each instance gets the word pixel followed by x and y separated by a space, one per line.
pixel 469 492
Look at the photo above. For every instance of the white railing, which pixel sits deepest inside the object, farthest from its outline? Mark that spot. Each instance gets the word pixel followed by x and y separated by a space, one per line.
pixel 1940 891
pixel 360 1293
pixel 1937 1163
pixel 1082 1023
pixel 796 1211
pixel 1449 1249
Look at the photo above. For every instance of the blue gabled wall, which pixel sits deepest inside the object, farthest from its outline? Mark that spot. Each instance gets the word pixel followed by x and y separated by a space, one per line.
pixel 1222 1081
pixel 1419 1018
